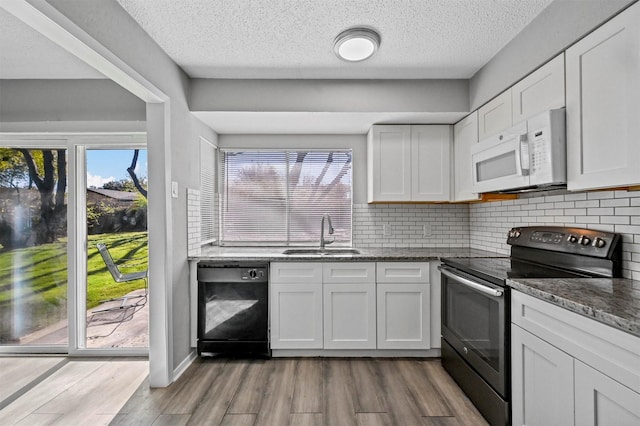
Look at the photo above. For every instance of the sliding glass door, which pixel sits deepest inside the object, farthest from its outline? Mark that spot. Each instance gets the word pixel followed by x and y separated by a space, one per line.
pixel 62 199
pixel 33 247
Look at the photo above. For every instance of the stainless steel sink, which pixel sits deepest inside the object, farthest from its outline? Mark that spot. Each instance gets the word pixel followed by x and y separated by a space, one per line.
pixel 322 252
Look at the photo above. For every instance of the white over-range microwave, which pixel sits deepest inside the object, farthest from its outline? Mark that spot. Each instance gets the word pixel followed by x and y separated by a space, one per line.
pixel 531 154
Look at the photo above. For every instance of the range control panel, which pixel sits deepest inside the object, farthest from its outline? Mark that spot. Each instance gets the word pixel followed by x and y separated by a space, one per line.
pixel 587 242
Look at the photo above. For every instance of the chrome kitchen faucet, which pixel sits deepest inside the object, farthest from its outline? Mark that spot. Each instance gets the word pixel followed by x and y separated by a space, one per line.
pixel 322 240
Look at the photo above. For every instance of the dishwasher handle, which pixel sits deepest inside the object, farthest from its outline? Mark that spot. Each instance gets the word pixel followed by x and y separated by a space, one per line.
pixel 472 284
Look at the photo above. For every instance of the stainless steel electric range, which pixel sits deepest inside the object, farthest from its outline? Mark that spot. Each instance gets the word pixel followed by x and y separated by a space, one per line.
pixel 476 303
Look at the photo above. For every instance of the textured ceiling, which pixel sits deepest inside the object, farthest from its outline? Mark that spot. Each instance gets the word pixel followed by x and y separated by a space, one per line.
pixel 27 54
pixel 293 38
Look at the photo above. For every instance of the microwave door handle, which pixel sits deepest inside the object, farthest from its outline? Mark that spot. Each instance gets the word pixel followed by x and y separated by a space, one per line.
pixel 523 154
pixel 474 285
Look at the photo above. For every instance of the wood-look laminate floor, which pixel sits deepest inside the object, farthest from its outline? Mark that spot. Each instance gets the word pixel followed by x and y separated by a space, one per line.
pixel 64 391
pixel 305 391
pixel 281 391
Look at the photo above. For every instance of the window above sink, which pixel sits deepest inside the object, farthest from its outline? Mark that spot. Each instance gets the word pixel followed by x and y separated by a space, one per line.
pixel 278 197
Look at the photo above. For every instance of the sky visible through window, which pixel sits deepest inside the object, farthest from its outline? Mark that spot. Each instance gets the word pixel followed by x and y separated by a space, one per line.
pixel 107 165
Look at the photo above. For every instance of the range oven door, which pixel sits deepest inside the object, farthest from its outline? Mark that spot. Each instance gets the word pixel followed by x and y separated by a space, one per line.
pixel 475 323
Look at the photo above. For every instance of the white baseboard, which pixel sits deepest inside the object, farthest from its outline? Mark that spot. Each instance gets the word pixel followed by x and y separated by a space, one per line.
pixel 373 353
pixel 182 367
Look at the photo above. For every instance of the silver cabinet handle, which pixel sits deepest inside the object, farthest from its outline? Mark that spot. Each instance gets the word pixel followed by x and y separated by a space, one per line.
pixel 472 284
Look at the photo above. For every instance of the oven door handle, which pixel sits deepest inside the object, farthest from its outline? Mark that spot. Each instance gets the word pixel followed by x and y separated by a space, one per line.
pixel 474 285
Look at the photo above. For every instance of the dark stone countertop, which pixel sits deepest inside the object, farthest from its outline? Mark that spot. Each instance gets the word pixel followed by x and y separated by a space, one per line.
pixel 611 301
pixel 274 254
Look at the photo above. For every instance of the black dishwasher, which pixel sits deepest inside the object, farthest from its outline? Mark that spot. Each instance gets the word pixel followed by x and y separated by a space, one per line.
pixel 233 309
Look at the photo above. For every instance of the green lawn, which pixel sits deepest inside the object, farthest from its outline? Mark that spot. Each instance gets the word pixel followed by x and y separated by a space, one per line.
pixel 39 274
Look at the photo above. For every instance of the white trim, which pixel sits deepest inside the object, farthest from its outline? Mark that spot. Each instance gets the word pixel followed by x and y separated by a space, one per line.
pixel 72 126
pixel 160 247
pixel 193 303
pixel 76 247
pixel 356 353
pixel 182 367
pixel 103 139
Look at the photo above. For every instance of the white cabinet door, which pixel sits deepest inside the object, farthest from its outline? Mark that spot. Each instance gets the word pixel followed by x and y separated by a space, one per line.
pixel 430 162
pixel 296 316
pixel 495 116
pixel 349 316
pixel 540 91
pixel 603 105
pixel 601 401
pixel 389 163
pixel 465 135
pixel 295 300
pixel 403 316
pixel 542 381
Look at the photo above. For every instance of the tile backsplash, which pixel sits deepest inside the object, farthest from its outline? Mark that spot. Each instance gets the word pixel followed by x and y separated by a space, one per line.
pixel 612 211
pixel 482 225
pixel 410 225
pixel 193 222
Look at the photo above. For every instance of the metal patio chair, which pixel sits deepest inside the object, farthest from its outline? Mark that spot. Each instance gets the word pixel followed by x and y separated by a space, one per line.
pixel 137 301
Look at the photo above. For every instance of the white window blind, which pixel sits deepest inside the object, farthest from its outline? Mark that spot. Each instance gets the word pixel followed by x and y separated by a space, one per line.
pixel 207 192
pixel 278 197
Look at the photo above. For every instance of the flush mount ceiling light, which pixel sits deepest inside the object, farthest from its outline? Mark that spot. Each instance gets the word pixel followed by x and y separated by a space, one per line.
pixel 356 44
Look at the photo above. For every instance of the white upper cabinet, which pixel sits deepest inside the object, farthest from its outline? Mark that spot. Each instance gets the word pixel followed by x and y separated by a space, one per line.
pixel 603 105
pixel 495 116
pixel 430 162
pixel 389 163
pixel 408 163
pixel 465 135
pixel 540 91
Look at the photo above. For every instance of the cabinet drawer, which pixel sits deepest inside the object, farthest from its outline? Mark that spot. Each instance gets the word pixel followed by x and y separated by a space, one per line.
pixel 402 272
pixel 349 272
pixel 296 272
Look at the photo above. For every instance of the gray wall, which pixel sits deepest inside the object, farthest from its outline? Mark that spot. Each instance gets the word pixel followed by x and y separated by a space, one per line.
pixel 111 26
pixel 329 95
pixel 68 100
pixel 558 26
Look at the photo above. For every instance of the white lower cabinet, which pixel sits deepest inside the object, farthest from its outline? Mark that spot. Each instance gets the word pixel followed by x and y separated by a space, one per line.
pixel 296 316
pixel 296 305
pixel 600 400
pixel 403 316
pixel 571 370
pixel 541 381
pixel 349 316
pixel 353 306
pixel 403 299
